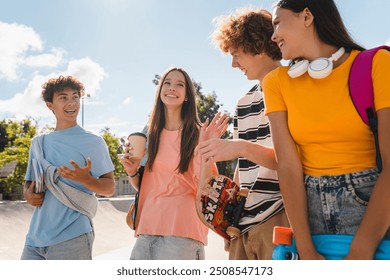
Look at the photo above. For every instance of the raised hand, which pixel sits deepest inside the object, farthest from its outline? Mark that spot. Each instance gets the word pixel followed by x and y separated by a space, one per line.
pixel 210 135
pixel 214 129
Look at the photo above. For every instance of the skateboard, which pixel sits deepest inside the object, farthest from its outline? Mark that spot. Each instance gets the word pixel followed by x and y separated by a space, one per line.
pixel 220 204
pixel 285 248
pixel 331 246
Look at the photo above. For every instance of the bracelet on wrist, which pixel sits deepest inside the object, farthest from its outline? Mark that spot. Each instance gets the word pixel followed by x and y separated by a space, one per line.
pixel 135 174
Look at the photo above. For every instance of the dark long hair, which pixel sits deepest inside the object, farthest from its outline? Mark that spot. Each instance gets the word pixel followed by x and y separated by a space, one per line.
pixel 327 21
pixel 190 119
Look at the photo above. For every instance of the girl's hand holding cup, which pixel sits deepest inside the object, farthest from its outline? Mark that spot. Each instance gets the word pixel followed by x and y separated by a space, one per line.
pixel 134 150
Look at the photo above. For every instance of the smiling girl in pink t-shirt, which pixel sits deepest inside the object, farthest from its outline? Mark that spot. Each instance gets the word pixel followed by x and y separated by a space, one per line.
pixel 167 225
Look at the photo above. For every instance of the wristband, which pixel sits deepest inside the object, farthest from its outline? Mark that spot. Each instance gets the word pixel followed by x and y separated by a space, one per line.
pixel 135 174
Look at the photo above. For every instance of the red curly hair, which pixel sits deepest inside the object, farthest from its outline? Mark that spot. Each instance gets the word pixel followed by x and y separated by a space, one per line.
pixel 249 29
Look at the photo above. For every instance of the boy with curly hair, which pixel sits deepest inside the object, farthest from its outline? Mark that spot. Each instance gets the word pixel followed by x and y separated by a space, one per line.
pixel 75 164
pixel 246 35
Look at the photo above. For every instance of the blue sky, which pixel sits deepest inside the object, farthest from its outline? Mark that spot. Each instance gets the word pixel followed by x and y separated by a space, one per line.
pixel 117 46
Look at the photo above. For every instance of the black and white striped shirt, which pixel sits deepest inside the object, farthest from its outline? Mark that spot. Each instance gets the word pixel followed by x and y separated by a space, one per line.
pixel 264 199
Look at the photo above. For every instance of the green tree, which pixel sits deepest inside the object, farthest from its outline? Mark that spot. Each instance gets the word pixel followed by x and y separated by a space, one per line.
pixel 3 136
pixel 16 149
pixel 113 144
pixel 208 106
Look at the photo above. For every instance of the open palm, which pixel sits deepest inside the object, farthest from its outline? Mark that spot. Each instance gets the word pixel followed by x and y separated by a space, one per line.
pixel 214 129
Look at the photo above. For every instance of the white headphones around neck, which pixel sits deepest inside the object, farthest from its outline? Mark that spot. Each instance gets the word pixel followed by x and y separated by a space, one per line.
pixel 318 68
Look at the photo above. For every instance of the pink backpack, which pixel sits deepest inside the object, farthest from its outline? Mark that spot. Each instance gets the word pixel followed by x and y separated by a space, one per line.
pixel 362 93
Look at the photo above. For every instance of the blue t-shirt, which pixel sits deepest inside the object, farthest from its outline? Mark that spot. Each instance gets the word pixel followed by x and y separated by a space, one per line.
pixel 54 222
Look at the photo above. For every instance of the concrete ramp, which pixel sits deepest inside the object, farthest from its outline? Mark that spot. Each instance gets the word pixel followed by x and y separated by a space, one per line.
pixel 14 222
pixel 113 241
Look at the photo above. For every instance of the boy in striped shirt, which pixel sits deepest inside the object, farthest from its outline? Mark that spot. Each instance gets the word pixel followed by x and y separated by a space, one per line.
pixel 246 35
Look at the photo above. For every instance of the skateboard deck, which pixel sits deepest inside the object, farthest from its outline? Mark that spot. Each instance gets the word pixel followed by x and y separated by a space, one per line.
pixel 219 204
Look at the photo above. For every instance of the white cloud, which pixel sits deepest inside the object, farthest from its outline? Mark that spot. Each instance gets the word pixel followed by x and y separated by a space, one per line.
pixel 21 46
pixel 88 72
pixel 388 42
pixel 45 60
pixel 16 40
pixel 29 103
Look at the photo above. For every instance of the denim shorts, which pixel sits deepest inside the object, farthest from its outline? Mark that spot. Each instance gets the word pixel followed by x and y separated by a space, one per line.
pixel 156 247
pixel 336 204
pixel 79 248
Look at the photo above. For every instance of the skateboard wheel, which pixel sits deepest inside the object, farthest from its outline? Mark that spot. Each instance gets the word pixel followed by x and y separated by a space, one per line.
pixel 282 236
pixel 243 192
pixel 233 231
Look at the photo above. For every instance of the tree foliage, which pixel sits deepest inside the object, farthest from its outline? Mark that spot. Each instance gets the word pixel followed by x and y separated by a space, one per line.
pixel 16 140
pixel 113 144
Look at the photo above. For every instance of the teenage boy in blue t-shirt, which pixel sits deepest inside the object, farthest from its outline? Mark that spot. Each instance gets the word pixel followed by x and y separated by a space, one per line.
pixel 83 164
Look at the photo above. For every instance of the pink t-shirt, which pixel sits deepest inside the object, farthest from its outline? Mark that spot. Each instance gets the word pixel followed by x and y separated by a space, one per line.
pixel 167 198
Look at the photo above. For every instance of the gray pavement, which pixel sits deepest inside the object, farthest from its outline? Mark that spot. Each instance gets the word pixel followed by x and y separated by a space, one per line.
pixel 113 241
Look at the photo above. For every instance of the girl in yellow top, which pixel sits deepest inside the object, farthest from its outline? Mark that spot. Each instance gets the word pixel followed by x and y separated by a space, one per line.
pixel 326 154
pixel 167 225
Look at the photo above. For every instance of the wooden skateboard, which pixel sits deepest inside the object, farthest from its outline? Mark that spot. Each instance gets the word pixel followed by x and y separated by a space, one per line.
pixel 219 204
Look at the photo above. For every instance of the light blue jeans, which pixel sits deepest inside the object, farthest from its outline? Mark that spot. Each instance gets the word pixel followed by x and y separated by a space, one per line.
pixel 156 247
pixel 337 204
pixel 79 248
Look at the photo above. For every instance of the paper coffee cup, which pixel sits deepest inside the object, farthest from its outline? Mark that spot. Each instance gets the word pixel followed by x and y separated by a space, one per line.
pixel 137 141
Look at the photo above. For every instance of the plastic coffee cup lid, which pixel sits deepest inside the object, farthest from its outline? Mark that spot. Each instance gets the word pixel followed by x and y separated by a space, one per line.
pixel 138 134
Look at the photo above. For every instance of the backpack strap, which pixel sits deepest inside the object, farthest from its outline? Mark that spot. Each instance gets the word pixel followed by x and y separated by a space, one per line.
pixel 362 92
pixel 360 81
